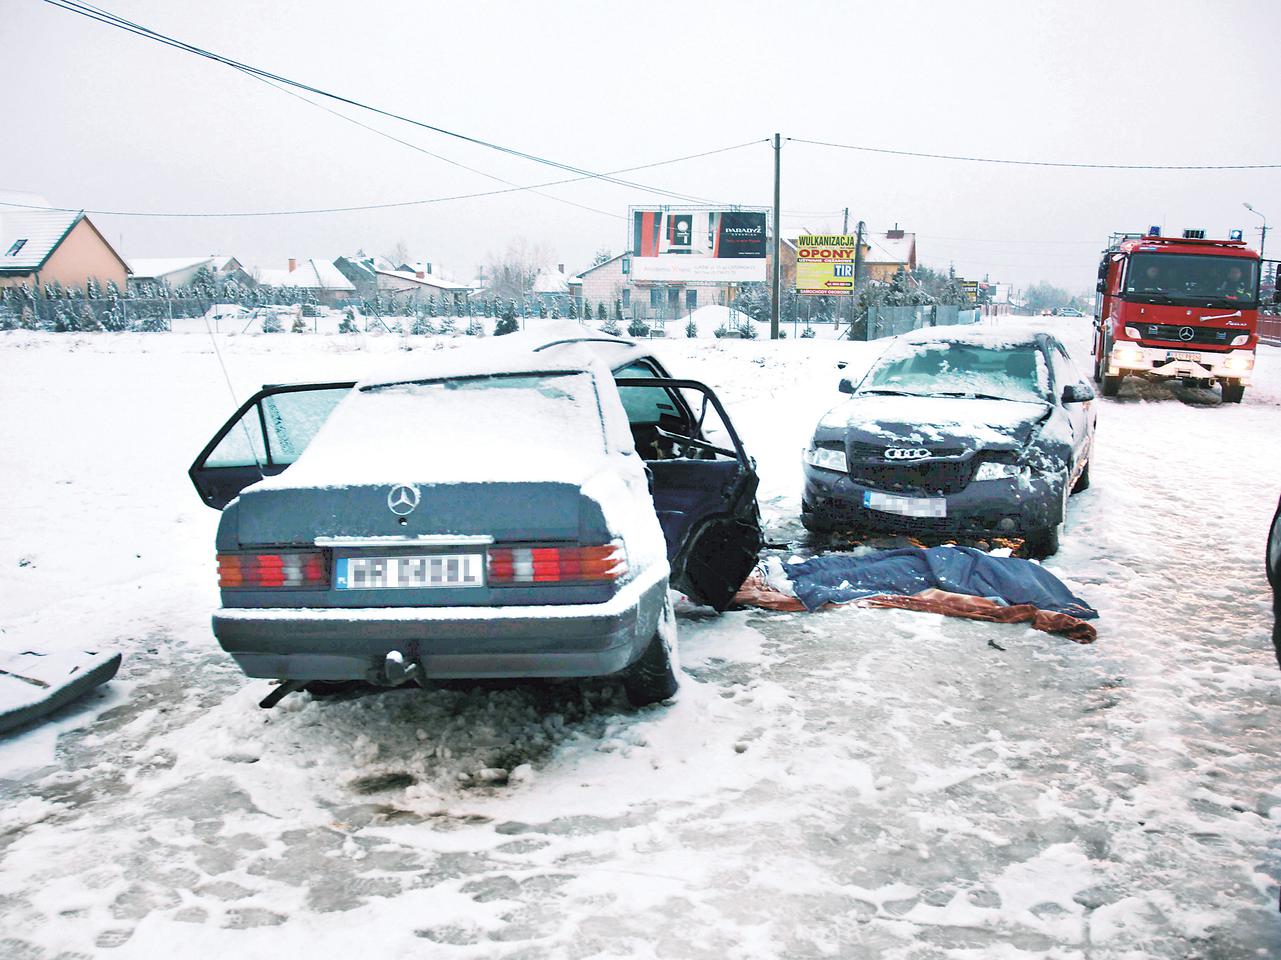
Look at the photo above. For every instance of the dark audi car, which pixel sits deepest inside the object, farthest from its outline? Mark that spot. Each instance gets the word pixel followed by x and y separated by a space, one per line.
pixel 967 433
pixel 515 508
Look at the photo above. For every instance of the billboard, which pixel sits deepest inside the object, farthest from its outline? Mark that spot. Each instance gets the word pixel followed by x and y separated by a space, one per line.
pixel 689 244
pixel 825 264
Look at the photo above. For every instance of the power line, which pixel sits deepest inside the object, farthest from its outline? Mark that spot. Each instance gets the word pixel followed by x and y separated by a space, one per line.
pixel 1043 163
pixel 103 16
pixel 372 206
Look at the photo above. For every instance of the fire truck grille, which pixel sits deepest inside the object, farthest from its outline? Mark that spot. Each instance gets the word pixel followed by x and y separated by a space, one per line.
pixel 1200 336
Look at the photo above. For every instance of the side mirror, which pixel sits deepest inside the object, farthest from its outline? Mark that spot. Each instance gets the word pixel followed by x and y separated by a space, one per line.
pixel 845 386
pixel 1276 295
pixel 1101 285
pixel 1077 393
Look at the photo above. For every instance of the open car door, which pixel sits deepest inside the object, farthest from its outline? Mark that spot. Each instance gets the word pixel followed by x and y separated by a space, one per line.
pixel 263 438
pixel 704 484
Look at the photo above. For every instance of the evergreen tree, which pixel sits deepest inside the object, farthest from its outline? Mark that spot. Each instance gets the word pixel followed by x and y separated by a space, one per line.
pixel 422 327
pixel 92 290
pixel 691 328
pixel 27 321
pixel 808 333
pixel 475 328
pixel 447 326
pixel 601 313
pixel 618 310
pixel 542 309
pixel 507 322
pixel 88 319
pixel 271 324
pixel 299 325
pixel 611 327
pixel 637 328
pixel 348 322
pixel 431 306
pixel 573 309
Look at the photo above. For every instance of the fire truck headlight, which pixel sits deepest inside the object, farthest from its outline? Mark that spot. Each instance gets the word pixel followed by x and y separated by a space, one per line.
pixel 1133 333
pixel 1239 362
pixel 1126 356
pixel 1240 341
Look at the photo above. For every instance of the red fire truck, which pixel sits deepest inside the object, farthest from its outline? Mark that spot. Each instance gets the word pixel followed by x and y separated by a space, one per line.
pixel 1185 308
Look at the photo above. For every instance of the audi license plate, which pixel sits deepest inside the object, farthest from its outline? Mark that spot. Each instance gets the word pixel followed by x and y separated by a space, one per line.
pixel 1176 355
pixel 391 573
pixel 905 506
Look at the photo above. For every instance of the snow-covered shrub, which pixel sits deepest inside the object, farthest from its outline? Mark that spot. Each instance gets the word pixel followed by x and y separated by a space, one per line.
pixel 611 327
pixel 691 328
pixel 348 322
pixel 637 328
pixel 747 330
pixel 299 325
pixel 27 320
pixel 475 328
pixel 808 333
pixel 448 326
pixel 271 324
pixel 422 327
pixel 88 319
pixel 601 313
pixel 506 324
pixel 721 331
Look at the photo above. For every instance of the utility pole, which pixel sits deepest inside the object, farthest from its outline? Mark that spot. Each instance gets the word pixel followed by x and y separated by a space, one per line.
pixel 778 223
pixel 858 257
pixel 1263 231
pixel 845 227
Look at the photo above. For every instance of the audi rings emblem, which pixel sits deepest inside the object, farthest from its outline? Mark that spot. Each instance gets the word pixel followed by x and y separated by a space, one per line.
pixel 1186 334
pixel 402 499
pixel 906 453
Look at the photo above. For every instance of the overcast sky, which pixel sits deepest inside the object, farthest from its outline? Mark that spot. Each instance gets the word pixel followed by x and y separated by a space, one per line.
pixel 103 120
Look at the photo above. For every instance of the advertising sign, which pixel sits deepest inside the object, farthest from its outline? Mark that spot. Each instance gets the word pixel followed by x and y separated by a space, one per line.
pixel 698 243
pixel 971 290
pixel 825 264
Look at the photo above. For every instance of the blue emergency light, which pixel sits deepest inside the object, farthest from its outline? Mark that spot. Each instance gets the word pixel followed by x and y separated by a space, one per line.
pixel 1154 230
pixel 1235 235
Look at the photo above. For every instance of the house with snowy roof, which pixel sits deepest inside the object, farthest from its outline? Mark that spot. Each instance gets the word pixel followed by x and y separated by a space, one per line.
pixel 40 246
pixel 885 254
pixel 175 272
pixel 319 278
pixel 416 279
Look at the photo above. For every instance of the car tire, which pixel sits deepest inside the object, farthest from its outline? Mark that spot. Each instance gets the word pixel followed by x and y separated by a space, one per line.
pixel 1043 543
pixel 1111 386
pixel 1083 481
pixel 1233 391
pixel 652 678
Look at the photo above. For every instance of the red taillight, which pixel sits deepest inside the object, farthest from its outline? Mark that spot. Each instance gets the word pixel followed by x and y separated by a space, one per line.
pixel 258 570
pixel 556 564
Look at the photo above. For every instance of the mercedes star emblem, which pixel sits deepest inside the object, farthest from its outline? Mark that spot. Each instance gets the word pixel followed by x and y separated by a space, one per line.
pixel 403 499
pixel 1186 334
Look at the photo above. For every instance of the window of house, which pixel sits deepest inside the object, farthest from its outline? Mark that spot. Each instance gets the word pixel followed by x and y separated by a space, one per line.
pixel 655 296
pixel 17 245
pixel 627 297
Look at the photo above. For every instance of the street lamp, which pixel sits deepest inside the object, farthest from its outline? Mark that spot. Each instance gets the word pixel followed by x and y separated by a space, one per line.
pixel 1263 233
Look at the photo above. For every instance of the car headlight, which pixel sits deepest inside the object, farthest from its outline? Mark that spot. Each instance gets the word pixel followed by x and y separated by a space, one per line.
pixel 826 458
pixel 1240 362
pixel 1133 333
pixel 1240 341
pixel 989 470
pixel 1126 355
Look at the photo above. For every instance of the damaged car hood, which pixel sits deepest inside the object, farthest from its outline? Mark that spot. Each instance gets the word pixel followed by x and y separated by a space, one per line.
pixel 934 422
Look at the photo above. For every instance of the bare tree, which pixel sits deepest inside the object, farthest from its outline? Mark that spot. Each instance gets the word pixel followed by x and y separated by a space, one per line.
pixel 512 275
pixel 399 253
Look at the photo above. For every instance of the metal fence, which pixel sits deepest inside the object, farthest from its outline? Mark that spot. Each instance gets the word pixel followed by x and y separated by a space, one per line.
pixel 891 321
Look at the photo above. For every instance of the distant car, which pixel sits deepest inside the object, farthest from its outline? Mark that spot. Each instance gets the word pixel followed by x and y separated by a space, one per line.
pixel 968 433
pixel 1070 312
pixel 509 509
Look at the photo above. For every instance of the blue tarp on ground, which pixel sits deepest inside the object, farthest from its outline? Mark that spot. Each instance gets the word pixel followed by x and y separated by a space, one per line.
pixel 840 578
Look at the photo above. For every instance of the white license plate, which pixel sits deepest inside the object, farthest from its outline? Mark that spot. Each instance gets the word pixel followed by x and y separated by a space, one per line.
pixel 393 573
pixel 905 506
pixel 1176 355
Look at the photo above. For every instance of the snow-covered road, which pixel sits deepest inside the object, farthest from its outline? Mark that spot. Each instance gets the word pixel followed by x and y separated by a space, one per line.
pixel 855 783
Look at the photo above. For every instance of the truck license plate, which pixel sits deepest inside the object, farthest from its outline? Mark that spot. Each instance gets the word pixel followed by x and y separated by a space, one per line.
pixel 391 573
pixel 905 506
pixel 1176 355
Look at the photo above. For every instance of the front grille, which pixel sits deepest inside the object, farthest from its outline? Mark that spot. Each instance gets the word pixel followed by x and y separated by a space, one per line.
pixel 876 451
pixel 1201 336
pixel 930 478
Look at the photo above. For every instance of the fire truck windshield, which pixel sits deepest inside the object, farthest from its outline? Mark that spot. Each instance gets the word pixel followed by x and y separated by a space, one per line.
pixel 1192 279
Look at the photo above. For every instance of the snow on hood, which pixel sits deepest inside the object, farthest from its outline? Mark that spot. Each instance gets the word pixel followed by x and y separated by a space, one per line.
pixel 933 420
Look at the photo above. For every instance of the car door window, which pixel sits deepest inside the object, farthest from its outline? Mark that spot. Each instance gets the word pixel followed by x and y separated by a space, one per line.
pixel 292 419
pixel 647 406
pixel 242 446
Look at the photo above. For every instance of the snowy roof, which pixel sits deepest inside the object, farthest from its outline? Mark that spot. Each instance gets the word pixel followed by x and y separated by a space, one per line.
pixel 150 268
pixel 310 275
pixel 429 280
pixel 596 266
pixel 35 233
pixel 551 281
pixel 884 249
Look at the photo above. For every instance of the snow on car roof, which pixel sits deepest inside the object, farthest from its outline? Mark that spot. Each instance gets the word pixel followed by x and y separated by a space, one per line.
pixel 564 346
pixel 979 336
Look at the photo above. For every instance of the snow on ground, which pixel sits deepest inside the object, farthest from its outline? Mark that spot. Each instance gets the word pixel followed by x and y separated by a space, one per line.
pixel 855 783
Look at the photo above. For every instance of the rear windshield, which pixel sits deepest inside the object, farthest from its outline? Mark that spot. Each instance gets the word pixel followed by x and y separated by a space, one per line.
pixel 1014 372
pixel 506 418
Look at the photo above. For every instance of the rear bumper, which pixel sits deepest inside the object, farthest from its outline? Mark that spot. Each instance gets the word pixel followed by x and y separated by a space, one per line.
pixel 1006 507
pixel 580 640
pixel 1132 357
